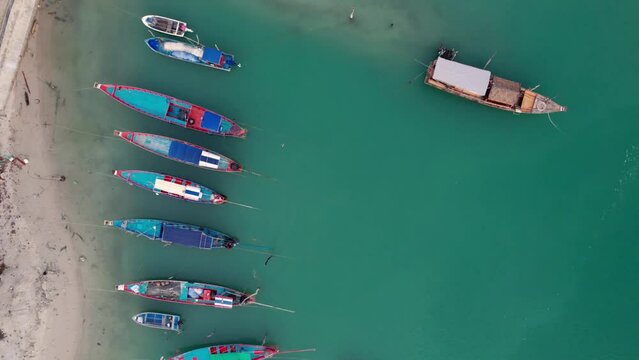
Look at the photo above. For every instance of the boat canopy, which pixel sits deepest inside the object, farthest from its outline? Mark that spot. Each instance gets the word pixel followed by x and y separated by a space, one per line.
pixel 154 319
pixel 211 121
pixel 213 353
pixel 212 55
pixel 209 160
pixel 184 152
pixel 504 91
pixel 467 78
pixel 185 236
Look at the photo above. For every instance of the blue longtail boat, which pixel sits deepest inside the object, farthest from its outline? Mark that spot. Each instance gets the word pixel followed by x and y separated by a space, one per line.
pixel 228 352
pixel 175 233
pixel 181 151
pixel 158 320
pixel 170 186
pixel 172 110
pixel 195 54
pixel 186 292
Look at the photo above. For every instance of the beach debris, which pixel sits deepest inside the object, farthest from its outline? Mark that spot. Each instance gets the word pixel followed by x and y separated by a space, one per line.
pixel 83 258
pixel 14 159
pixel 73 236
pixel 60 178
pixel 351 17
pixel 26 82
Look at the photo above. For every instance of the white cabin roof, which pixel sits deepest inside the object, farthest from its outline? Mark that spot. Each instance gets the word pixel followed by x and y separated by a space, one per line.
pixel 169 187
pixel 464 77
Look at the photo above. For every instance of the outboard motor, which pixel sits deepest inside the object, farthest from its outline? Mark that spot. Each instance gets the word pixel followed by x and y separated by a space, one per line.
pixel 448 54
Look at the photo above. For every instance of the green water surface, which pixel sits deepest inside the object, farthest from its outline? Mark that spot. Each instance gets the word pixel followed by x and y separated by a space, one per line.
pixel 411 224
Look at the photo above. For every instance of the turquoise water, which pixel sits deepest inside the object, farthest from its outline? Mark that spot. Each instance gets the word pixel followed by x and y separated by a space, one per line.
pixel 411 224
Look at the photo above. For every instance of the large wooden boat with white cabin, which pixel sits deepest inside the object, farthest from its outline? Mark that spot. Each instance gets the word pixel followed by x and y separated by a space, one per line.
pixel 482 86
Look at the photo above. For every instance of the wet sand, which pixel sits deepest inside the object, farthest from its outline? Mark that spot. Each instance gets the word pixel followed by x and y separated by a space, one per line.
pixel 41 292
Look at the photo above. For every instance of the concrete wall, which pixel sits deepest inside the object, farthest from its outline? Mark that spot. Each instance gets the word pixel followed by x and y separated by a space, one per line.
pixel 17 19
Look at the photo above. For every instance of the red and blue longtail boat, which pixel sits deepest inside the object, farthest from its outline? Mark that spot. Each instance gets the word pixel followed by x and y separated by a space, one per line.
pixel 170 232
pixel 185 292
pixel 170 186
pixel 172 110
pixel 181 151
pixel 228 352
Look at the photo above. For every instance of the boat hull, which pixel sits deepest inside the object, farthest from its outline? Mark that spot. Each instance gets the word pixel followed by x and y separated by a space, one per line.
pixel 170 186
pixel 172 110
pixel 194 54
pixel 241 351
pixel 189 293
pixel 180 151
pixel 175 233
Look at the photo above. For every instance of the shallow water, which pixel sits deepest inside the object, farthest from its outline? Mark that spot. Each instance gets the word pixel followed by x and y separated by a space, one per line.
pixel 414 224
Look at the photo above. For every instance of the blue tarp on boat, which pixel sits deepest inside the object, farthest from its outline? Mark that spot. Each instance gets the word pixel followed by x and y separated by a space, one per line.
pixel 154 319
pixel 185 152
pixel 153 43
pixel 211 55
pixel 180 235
pixel 211 121
pixel 186 236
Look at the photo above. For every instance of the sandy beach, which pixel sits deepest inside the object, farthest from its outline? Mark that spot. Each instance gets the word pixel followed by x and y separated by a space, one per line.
pixel 41 294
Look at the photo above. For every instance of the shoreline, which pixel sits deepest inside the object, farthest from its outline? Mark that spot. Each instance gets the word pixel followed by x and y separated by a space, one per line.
pixel 41 282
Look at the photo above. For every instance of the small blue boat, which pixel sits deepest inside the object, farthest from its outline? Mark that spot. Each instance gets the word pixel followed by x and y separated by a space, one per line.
pixel 195 54
pixel 158 321
pixel 175 233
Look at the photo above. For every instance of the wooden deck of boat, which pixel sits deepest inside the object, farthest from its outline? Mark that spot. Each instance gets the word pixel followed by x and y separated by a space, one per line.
pixel 528 101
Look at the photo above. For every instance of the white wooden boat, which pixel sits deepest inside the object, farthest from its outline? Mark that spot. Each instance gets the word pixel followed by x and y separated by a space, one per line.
pixel 165 25
pixel 158 321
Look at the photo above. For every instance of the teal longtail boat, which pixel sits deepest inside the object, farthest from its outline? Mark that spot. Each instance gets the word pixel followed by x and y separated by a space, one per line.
pixel 172 110
pixel 195 54
pixel 175 233
pixel 181 151
pixel 234 352
pixel 228 352
pixel 170 186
